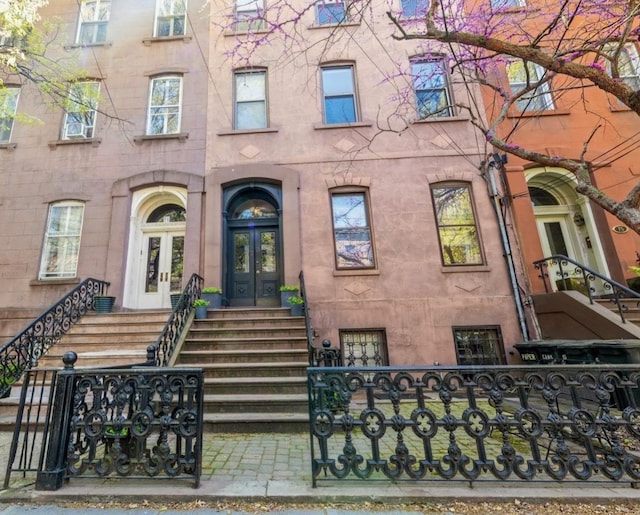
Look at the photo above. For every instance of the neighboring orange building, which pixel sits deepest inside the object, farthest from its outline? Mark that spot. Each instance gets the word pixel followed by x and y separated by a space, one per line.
pixel 550 217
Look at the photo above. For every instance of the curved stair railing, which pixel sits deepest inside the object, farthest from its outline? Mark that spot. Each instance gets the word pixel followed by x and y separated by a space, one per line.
pixel 173 330
pixel 569 269
pixel 24 350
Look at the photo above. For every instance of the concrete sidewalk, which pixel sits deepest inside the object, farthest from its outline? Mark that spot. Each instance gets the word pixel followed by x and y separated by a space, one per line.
pixel 277 467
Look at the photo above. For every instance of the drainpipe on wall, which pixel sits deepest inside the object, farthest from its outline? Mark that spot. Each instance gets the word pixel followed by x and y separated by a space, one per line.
pixel 496 161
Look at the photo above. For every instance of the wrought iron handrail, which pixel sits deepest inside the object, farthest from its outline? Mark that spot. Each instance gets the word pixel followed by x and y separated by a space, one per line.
pixel 169 338
pixel 613 289
pixel 307 318
pixel 25 349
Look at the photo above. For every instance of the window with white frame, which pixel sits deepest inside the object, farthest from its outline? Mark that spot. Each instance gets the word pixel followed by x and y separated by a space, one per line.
pixel 504 4
pixel 62 240
pixel 339 94
pixel 364 347
pixel 456 222
pixel 250 99
pixel 249 15
pixel 524 75
pixel 628 63
pixel 170 18
pixel 414 8
pixel 94 17
pixel 165 97
pixel 330 12
pixel 431 87
pixel 481 345
pixel 80 115
pixel 8 106
pixel 352 230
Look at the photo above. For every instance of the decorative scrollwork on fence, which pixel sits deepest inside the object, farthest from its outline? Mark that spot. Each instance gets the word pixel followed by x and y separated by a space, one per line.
pixel 137 422
pixel 27 347
pixel 558 423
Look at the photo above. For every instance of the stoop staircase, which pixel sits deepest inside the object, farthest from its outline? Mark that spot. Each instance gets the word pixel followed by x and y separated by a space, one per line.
pixel 255 369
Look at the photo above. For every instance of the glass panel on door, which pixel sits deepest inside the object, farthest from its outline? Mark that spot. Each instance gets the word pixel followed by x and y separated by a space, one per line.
pixel 555 237
pixel 177 260
pixel 153 256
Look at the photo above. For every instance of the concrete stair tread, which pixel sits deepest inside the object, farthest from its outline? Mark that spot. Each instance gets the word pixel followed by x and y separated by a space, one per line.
pixel 226 366
pixel 255 380
pixel 275 352
pixel 275 397
pixel 255 417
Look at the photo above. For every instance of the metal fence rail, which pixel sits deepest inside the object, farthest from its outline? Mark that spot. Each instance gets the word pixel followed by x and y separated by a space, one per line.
pixel 136 422
pixel 560 423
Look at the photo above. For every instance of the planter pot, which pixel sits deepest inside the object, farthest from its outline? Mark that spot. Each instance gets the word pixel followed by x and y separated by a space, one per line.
pixel 201 312
pixel 284 297
pixel 215 300
pixel 175 298
pixel 103 304
pixel 296 309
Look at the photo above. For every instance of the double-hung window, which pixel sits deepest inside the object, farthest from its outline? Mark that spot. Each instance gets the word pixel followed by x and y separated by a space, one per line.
pixel 457 228
pixel 431 86
pixel 523 75
pixel 94 17
pixel 628 64
pixel 165 97
pixel 505 4
pixel 480 345
pixel 170 18
pixel 352 230
pixel 414 8
pixel 330 12
pixel 62 240
pixel 8 106
pixel 249 15
pixel 250 99
pixel 80 115
pixel 339 94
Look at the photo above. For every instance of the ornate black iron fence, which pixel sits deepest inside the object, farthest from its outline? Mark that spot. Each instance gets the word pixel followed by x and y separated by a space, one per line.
pixel 25 349
pixel 136 422
pixel 557 423
pixel 571 275
pixel 171 334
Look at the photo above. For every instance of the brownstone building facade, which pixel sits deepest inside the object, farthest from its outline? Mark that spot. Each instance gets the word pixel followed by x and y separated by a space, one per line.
pixel 181 160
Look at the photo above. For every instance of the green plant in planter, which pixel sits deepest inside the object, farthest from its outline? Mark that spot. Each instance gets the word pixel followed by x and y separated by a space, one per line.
pixel 211 289
pixel 294 299
pixel 289 287
pixel 200 303
pixel 296 303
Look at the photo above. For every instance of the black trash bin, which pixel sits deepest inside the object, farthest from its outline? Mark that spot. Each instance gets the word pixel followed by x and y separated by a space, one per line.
pixel 576 352
pixel 620 352
pixel 555 352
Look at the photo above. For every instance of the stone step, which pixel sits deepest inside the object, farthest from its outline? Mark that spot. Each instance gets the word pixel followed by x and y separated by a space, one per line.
pixel 247 313
pixel 256 403
pixel 243 356
pixel 246 332
pixel 247 322
pixel 283 369
pixel 250 385
pixel 256 422
pixel 95 359
pixel 195 345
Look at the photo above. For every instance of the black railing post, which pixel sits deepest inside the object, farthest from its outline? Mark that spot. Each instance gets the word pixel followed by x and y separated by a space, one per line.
pixel 55 465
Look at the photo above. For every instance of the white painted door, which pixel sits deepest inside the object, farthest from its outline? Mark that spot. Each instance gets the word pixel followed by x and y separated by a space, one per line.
pixel 162 263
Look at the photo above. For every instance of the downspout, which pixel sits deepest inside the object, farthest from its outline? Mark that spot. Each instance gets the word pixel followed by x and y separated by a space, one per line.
pixel 495 161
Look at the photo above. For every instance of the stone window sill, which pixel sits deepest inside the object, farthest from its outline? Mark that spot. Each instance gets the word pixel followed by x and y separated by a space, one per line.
pixel 533 114
pixel 333 25
pixel 164 39
pixel 94 142
pixel 73 46
pixel 8 146
pixel 181 136
pixel 453 269
pixel 323 126
pixel 247 131
pixel 54 282
pixel 443 119
pixel 347 273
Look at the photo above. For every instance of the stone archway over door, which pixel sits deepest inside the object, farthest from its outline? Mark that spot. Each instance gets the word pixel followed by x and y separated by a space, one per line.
pixel 155 260
pixel 253 245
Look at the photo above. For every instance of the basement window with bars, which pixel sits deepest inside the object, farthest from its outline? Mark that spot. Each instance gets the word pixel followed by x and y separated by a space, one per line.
pixel 364 347
pixel 481 345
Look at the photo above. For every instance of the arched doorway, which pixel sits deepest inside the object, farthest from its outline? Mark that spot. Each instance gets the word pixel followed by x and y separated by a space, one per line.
pixel 564 221
pixel 156 247
pixel 252 244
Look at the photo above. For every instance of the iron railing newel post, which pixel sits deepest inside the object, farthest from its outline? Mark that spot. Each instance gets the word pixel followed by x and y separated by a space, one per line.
pixel 57 441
